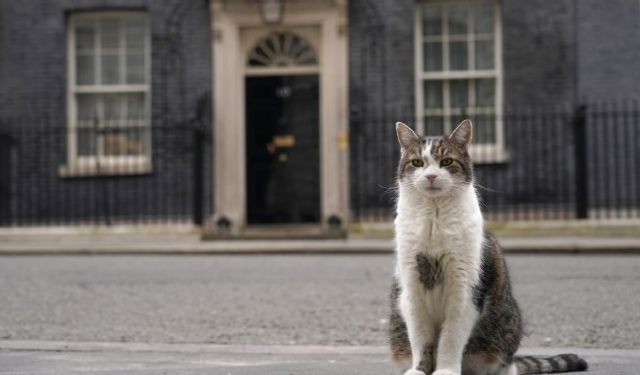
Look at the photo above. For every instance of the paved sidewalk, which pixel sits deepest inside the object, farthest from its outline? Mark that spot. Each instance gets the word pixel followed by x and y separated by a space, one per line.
pixel 189 243
pixel 42 357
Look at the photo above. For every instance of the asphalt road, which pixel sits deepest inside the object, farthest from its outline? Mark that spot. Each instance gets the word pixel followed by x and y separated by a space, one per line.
pixel 577 301
pixel 240 361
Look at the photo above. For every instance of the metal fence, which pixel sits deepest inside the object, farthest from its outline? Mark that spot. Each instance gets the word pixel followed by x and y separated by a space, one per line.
pixel 555 163
pixel 558 163
pixel 102 175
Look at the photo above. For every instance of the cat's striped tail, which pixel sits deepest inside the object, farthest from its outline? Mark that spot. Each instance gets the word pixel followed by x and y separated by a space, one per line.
pixel 546 365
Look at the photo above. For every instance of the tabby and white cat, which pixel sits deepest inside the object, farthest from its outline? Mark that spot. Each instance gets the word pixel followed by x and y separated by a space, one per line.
pixel 452 310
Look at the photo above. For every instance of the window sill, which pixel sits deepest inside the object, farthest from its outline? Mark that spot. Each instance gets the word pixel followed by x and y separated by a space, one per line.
pixel 489 155
pixel 84 169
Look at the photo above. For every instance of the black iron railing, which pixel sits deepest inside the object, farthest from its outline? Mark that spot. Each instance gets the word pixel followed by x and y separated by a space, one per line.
pixel 102 175
pixel 545 164
pixel 553 163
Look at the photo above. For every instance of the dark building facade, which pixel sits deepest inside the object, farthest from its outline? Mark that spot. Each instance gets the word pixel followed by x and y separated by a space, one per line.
pixel 120 111
pixel 41 183
pixel 555 57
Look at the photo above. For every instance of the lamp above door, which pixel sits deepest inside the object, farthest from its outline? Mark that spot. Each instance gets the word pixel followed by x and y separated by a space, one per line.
pixel 271 11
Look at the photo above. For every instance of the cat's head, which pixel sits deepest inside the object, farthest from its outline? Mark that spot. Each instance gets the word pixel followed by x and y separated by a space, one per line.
pixel 435 166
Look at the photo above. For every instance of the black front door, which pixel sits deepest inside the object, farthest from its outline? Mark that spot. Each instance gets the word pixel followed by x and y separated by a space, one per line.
pixel 283 158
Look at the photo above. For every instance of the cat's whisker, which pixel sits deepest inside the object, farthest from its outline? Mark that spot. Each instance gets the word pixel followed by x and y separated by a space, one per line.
pixel 388 188
pixel 482 187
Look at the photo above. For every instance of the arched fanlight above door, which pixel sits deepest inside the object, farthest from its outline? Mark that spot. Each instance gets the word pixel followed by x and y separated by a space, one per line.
pixel 282 49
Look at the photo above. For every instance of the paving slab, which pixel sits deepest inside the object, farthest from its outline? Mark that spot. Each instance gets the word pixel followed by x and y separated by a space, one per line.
pixel 17 243
pixel 53 358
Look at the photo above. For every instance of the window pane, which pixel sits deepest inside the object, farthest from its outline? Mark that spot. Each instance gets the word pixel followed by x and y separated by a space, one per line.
pixel 433 126
pixel 85 70
pixel 457 14
pixel 458 55
pixel 85 35
pixel 433 94
pixel 485 92
pixel 432 56
pixel 432 20
pixel 87 118
pixel 459 95
pixel 135 34
pixel 86 109
pixel 109 33
pixel 110 69
pixel 114 142
pixel 135 68
pixel 86 141
pixel 125 141
pixel 484 54
pixel 136 108
pixel 485 129
pixel 136 140
pixel 114 108
pixel 483 17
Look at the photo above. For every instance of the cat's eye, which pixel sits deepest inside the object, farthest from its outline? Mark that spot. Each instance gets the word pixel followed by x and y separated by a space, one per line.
pixel 417 163
pixel 445 162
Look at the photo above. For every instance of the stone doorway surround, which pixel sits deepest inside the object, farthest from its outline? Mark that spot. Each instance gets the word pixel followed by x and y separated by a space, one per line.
pixel 236 24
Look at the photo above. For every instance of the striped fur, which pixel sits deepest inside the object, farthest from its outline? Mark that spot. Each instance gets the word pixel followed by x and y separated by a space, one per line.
pixel 547 365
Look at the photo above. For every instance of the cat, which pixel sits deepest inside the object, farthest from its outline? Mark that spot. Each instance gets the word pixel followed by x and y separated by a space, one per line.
pixel 452 309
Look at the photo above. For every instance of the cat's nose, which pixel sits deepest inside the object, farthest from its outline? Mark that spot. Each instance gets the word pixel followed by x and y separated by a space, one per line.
pixel 431 178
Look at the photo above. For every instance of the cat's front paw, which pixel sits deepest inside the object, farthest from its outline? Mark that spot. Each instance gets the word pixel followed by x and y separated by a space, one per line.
pixel 445 372
pixel 414 372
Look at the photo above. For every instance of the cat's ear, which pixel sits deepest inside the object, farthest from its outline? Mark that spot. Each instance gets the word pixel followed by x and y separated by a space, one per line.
pixel 406 136
pixel 461 135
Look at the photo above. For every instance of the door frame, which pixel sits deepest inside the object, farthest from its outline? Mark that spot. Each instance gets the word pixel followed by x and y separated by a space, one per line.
pixel 230 21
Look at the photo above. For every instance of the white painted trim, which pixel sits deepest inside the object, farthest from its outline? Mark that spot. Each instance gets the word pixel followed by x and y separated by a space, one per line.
pixel 106 89
pixel 292 70
pixel 483 153
pixel 500 141
pixel 229 21
pixel 77 165
pixel 71 100
pixel 460 74
pixel 228 118
pixel 417 63
pixel 89 166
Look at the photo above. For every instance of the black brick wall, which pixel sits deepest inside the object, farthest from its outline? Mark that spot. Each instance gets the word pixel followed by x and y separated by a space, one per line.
pixel 609 49
pixel 381 89
pixel 538 52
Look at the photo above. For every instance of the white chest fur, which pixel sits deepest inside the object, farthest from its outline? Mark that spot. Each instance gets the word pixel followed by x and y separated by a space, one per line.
pixel 447 229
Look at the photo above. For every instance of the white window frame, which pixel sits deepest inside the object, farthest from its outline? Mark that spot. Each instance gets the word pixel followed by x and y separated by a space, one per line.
pixel 99 164
pixel 481 153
